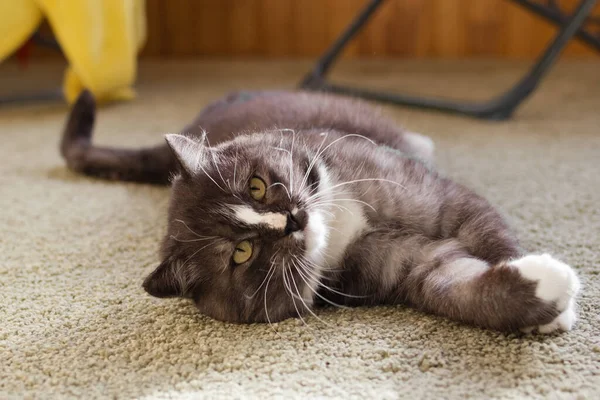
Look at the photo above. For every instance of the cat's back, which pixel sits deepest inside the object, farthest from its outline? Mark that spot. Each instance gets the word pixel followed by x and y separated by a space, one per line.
pixel 249 112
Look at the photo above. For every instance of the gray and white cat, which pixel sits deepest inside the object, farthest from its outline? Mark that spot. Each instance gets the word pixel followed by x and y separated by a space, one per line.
pixel 282 202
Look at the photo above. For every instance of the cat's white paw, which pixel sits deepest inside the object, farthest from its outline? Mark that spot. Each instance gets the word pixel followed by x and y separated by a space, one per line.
pixel 556 283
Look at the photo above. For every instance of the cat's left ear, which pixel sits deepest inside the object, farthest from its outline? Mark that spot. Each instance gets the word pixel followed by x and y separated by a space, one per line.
pixel 190 153
pixel 162 282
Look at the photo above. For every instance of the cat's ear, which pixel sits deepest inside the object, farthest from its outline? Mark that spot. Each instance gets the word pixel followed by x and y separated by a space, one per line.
pixel 190 153
pixel 163 282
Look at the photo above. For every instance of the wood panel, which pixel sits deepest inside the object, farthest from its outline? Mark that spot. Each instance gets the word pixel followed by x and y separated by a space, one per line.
pixel 304 28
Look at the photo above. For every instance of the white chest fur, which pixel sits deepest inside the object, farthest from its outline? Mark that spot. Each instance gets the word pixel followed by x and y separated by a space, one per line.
pixel 347 223
pixel 334 224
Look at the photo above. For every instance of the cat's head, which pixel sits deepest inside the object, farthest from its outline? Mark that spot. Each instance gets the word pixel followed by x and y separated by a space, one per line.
pixel 245 229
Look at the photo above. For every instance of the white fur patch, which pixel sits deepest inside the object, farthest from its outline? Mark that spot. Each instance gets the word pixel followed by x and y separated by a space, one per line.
pixel 249 216
pixel 464 269
pixel 424 145
pixel 330 231
pixel 347 224
pixel 556 282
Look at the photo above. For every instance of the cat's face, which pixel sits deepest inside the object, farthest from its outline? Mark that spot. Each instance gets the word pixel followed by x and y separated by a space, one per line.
pixel 246 231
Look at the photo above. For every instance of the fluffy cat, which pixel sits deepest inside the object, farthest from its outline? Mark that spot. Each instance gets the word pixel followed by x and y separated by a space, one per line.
pixel 282 202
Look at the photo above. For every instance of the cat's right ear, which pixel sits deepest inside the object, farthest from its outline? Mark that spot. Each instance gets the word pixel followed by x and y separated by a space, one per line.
pixel 190 153
pixel 162 281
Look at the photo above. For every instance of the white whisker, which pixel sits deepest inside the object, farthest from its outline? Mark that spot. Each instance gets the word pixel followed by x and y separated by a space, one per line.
pixel 235 168
pixel 280 149
pixel 355 181
pixel 192 240
pixel 330 203
pixel 302 299
pixel 265 303
pixel 304 278
pixel 212 152
pixel 271 270
pixel 312 162
pixel 288 289
pixel 320 283
pixel 189 229
pixel 292 162
pixel 283 186
pixel 323 202
pixel 211 178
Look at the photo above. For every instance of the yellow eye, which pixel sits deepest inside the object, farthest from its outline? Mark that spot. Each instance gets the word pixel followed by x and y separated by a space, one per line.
pixel 242 252
pixel 258 188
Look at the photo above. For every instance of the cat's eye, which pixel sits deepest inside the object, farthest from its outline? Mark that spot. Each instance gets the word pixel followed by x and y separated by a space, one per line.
pixel 258 188
pixel 242 252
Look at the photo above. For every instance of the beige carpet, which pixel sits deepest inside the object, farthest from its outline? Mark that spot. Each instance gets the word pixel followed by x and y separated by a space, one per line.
pixel 75 323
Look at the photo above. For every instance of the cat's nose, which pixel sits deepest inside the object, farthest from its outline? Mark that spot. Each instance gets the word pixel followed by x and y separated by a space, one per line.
pixel 296 222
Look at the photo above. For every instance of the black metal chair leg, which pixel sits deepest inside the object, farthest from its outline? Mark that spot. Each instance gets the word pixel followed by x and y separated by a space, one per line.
pixel 315 77
pixel 498 108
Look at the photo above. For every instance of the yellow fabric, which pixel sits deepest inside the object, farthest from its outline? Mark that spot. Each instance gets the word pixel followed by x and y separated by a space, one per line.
pixel 100 38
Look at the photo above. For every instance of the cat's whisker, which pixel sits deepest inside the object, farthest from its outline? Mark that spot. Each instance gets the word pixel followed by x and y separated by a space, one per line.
pixel 331 215
pixel 313 272
pixel 235 167
pixel 302 276
pixel 192 240
pixel 325 267
pixel 280 149
pixel 320 283
pixel 305 188
pixel 327 194
pixel 302 299
pixel 354 200
pixel 271 270
pixel 200 249
pixel 212 153
pixel 289 154
pixel 331 144
pixel 292 294
pixel 283 186
pixel 211 178
pixel 204 138
pixel 332 203
pixel 292 161
pixel 321 201
pixel 288 288
pixel 189 229
pixel 359 180
pixel 180 269
pixel 312 162
pixel 285 130
pixel 266 306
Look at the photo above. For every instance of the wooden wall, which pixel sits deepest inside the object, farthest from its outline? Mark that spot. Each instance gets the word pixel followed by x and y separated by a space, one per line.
pixel 303 28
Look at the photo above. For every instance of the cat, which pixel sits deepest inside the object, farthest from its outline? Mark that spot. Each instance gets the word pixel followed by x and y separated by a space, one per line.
pixel 283 202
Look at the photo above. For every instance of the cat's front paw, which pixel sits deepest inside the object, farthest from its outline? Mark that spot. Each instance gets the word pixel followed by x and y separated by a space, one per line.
pixel 557 284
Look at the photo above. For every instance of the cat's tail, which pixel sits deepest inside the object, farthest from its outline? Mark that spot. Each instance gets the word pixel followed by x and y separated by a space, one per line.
pixel 148 165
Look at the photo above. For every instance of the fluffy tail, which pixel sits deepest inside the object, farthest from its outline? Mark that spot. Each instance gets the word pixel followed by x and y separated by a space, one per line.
pixel 150 165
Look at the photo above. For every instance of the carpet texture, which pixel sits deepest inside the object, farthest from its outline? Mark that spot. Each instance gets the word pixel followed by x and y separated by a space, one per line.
pixel 75 322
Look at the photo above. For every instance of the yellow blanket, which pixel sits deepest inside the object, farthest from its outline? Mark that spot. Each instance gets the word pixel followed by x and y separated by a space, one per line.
pixel 100 38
